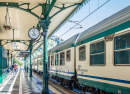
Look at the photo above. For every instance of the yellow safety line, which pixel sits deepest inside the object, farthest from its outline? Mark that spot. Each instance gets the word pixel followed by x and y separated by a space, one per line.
pixel 50 86
pixel 55 90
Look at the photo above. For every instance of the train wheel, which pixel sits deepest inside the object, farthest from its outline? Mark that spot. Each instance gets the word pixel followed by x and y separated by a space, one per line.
pixel 61 81
pixel 71 85
pixel 57 79
pixel 93 90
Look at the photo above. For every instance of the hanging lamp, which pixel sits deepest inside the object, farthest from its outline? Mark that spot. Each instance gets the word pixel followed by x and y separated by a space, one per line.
pixel 13 43
pixel 7 24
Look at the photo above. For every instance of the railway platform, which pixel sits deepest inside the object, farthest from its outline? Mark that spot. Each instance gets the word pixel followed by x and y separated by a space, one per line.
pixel 21 83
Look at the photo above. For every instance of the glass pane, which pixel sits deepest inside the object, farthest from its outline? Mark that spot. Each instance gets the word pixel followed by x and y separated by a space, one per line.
pixel 56 59
pixel 62 58
pixel 122 57
pixel 52 60
pixel 122 42
pixel 82 53
pixel 97 47
pixel 68 55
pixel 97 59
pixel 41 61
pixel 40 64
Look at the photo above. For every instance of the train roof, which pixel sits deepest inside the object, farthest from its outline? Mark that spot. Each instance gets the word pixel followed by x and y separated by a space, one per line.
pixel 65 45
pixel 106 26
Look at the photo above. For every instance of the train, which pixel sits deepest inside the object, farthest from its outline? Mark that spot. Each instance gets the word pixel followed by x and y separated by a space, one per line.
pixel 97 59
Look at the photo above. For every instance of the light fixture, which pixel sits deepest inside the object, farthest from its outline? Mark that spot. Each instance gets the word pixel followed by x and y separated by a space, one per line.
pixel 7 24
pixel 13 43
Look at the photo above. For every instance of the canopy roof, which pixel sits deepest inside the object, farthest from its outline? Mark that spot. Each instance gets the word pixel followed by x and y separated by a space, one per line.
pixel 24 14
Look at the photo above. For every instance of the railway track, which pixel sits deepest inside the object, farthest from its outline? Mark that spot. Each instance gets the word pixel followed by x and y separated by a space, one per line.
pixel 57 87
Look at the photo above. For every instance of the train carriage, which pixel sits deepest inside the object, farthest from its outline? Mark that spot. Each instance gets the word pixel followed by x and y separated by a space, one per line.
pixel 98 58
pixel 62 61
pixel 103 54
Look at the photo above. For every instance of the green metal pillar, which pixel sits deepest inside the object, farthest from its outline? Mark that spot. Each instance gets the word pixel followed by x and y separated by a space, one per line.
pixel 0 42
pixel 27 64
pixel 24 64
pixel 45 74
pixel 45 61
pixel 45 23
pixel 30 58
pixel 8 59
pixel 11 60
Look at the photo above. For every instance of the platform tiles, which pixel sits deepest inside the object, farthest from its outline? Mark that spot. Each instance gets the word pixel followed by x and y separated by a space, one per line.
pixel 21 83
pixel 7 85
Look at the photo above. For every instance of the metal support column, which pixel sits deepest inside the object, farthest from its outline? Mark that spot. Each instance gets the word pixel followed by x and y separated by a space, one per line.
pixel 0 42
pixel 8 59
pixel 45 23
pixel 27 64
pixel 45 61
pixel 30 58
pixel 11 59
pixel 24 64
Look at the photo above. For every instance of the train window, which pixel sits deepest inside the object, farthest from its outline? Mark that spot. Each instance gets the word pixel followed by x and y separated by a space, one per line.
pixel 122 49
pixel 62 58
pixel 52 60
pixel 68 55
pixel 82 53
pixel 97 53
pixel 41 61
pixel 56 59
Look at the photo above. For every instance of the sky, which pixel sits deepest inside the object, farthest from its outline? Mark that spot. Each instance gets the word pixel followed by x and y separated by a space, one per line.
pixel 105 11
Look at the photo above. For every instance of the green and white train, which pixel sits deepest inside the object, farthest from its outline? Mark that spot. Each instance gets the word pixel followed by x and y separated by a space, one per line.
pixel 98 58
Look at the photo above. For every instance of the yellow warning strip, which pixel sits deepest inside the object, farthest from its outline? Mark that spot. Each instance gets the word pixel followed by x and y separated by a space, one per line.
pixel 55 89
pixel 50 86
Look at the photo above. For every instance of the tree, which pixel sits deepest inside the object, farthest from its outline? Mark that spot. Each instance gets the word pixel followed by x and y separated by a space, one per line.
pixel 20 64
pixel 17 62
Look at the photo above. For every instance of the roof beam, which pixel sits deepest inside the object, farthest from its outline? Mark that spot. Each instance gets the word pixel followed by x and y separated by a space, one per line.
pixel 16 5
pixel 24 42
pixel 50 8
pixel 63 8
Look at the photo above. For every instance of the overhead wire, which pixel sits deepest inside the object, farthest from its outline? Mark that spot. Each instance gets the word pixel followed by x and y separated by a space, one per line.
pixel 86 16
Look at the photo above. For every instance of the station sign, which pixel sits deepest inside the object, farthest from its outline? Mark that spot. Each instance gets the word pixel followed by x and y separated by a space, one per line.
pixel 24 53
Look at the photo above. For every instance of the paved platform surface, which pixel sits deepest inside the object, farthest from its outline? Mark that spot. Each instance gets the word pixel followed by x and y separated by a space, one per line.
pixel 21 83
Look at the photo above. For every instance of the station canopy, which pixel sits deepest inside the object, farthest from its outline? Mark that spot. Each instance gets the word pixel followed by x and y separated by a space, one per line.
pixel 24 14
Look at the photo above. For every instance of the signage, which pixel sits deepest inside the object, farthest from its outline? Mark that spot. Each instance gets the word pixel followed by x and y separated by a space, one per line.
pixel 24 53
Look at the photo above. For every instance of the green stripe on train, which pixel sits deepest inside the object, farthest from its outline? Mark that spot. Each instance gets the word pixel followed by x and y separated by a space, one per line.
pixel 106 33
pixel 105 86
